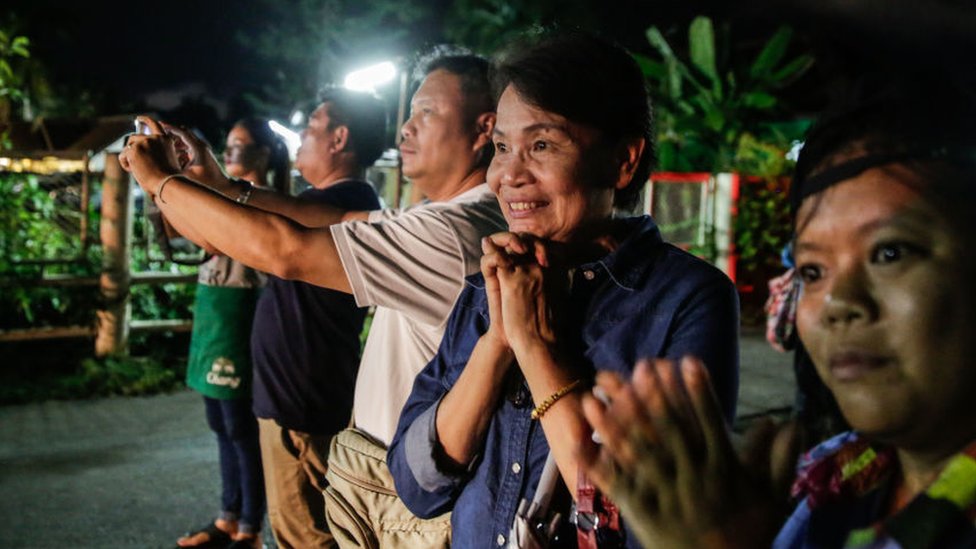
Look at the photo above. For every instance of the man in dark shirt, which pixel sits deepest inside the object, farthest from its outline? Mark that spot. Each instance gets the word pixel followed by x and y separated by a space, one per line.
pixel 305 339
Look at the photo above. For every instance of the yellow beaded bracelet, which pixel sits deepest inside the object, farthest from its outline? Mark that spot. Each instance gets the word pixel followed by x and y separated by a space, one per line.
pixel 541 409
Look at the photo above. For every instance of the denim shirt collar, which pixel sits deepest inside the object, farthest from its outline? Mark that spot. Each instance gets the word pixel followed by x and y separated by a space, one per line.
pixel 626 264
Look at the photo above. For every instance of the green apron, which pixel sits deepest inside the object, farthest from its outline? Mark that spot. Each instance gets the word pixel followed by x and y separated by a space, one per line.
pixel 220 348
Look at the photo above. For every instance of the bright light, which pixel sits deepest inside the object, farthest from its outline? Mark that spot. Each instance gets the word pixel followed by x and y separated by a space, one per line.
pixel 297 118
pixel 794 153
pixel 292 139
pixel 369 78
pixel 41 166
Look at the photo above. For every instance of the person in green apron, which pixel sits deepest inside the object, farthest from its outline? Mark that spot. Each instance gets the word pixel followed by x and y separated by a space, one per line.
pixel 219 366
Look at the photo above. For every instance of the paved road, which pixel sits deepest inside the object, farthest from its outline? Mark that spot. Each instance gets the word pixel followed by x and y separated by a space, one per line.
pixel 137 472
pixel 117 472
pixel 766 381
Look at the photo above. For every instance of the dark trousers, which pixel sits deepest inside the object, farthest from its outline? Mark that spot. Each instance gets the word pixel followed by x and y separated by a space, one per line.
pixel 240 460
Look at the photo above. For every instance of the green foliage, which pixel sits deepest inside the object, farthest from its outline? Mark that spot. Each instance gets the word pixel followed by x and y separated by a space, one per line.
pixel 164 301
pixel 714 112
pixel 30 218
pixel 121 375
pixel 718 111
pixel 13 51
pixel 32 227
pixel 762 226
pixel 487 25
pixel 35 224
pixel 114 375
pixel 11 48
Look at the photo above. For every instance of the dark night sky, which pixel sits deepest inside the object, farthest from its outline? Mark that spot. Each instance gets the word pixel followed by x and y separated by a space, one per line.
pixel 128 50
pixel 134 48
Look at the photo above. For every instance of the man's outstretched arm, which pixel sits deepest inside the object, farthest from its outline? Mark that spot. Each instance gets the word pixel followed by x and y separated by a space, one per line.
pixel 260 239
pixel 304 212
pixel 204 169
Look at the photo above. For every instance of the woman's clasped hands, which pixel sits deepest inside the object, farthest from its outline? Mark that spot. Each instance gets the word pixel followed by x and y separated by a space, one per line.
pixel 517 282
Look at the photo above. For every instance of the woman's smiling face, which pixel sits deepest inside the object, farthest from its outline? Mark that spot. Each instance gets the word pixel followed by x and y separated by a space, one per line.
pixel 887 310
pixel 547 171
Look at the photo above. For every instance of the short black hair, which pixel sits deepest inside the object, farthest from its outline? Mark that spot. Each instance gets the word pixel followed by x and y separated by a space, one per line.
pixel 921 118
pixel 365 116
pixel 472 71
pixel 588 80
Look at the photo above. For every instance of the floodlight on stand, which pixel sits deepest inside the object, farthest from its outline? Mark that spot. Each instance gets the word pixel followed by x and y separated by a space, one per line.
pixel 292 140
pixel 369 78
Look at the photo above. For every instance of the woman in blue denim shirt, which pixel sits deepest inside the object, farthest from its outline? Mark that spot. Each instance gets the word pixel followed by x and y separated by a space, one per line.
pixel 568 291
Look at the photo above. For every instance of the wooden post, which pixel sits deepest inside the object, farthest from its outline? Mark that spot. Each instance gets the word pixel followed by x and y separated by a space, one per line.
pixel 85 201
pixel 116 236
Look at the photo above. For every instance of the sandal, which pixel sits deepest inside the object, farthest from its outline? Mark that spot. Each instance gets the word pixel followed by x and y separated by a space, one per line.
pixel 216 538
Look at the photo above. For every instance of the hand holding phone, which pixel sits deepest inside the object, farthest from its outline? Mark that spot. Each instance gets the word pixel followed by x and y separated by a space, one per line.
pixel 142 128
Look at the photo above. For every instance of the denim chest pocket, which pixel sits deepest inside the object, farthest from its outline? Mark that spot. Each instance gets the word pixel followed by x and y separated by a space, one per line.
pixel 616 342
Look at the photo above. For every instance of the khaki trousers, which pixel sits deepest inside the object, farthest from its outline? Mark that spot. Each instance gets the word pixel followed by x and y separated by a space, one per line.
pixel 361 502
pixel 294 478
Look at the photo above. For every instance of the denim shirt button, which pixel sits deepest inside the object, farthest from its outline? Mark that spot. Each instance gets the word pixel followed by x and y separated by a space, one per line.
pixel 522 397
pixel 589 275
pixel 500 540
pixel 516 468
